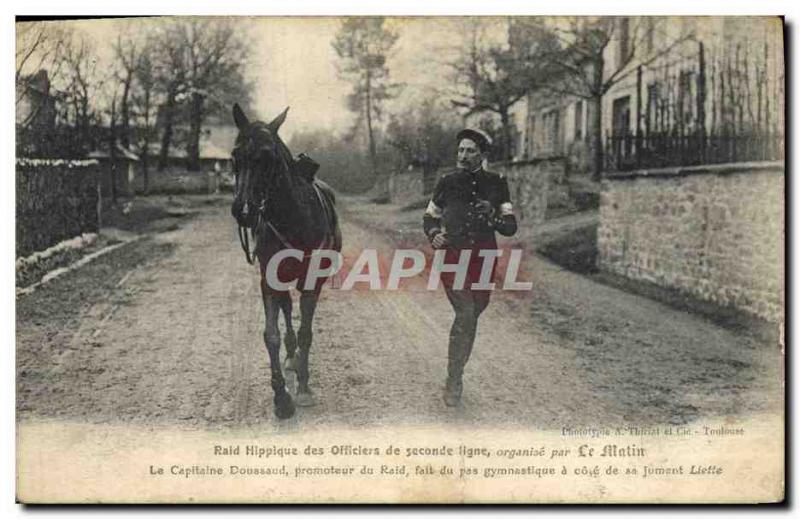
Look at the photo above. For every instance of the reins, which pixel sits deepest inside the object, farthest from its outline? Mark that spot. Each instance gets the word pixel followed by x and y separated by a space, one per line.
pixel 245 242
pixel 244 239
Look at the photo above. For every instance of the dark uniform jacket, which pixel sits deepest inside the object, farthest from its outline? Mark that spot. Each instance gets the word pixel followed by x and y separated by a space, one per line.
pixel 452 210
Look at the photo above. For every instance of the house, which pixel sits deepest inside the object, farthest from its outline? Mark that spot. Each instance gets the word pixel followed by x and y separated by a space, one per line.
pixel 120 170
pixel 693 201
pixel 693 85
pixel 35 114
pixel 490 122
pixel 35 106
pixel 681 89
pixel 544 124
pixel 216 144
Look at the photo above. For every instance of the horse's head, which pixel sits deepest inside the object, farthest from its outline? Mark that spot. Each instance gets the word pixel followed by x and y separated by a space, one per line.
pixel 258 157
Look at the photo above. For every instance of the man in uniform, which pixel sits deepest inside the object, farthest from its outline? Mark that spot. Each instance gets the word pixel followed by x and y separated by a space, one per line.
pixel 468 206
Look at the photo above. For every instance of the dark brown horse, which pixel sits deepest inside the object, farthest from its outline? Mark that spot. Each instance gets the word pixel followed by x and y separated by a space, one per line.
pixel 285 208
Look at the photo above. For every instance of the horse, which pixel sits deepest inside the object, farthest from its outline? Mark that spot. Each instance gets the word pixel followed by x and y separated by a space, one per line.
pixel 283 206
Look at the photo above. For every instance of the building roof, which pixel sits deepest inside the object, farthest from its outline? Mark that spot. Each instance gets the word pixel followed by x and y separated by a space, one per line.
pixel 124 153
pixel 38 82
pixel 216 142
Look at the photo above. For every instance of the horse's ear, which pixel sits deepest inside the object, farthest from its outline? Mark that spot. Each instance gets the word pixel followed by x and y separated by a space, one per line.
pixel 276 123
pixel 239 117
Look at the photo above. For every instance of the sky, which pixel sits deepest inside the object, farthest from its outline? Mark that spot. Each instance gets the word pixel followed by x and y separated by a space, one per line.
pixel 297 66
pixel 292 63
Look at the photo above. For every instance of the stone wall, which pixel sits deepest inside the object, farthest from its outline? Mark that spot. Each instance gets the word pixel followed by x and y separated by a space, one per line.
pixel 56 200
pixel 714 233
pixel 535 186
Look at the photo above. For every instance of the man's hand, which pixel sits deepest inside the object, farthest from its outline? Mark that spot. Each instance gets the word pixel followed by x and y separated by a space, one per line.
pixel 439 240
pixel 483 207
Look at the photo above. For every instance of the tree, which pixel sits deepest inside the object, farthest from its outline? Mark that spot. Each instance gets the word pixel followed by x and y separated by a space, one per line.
pixel 127 52
pixel 363 44
pixel 39 45
pixel 215 55
pixel 586 72
pixel 170 66
pixel 145 82
pixel 424 136
pixel 113 116
pixel 38 57
pixel 83 82
pixel 493 75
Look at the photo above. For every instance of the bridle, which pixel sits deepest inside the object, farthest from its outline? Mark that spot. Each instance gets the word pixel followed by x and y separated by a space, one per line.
pixel 242 231
pixel 244 241
pixel 244 238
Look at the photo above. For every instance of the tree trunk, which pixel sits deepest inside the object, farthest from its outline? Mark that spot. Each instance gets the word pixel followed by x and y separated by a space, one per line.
pixel 166 138
pixel 505 122
pixel 596 141
pixel 195 125
pixel 145 165
pixel 373 160
pixel 125 113
pixel 112 152
pixel 146 143
pixel 84 124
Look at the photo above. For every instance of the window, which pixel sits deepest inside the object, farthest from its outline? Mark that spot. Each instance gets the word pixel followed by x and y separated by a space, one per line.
pixel 653 120
pixel 621 116
pixel 685 98
pixel 551 125
pixel 578 120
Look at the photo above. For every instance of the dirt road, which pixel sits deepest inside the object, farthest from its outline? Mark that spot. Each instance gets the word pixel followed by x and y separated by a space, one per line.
pixel 174 337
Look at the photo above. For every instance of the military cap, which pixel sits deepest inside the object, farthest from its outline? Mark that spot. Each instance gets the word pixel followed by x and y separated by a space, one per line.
pixel 479 137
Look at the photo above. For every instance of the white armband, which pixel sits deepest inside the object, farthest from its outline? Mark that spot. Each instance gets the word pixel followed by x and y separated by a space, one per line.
pixel 433 210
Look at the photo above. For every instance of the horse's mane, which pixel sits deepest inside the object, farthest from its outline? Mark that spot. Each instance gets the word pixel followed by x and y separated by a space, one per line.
pixel 285 155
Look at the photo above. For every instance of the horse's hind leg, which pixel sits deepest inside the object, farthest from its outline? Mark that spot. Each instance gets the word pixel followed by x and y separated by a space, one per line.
pixel 284 407
pixel 308 304
pixel 289 338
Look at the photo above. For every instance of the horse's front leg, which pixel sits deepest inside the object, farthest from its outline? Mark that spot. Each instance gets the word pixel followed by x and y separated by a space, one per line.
pixel 284 407
pixel 308 304
pixel 290 338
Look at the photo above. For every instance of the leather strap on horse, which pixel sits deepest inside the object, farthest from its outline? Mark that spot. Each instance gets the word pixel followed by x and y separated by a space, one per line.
pixel 326 242
pixel 245 242
pixel 324 205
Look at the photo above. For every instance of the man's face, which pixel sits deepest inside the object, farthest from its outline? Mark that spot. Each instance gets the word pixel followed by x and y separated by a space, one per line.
pixel 469 155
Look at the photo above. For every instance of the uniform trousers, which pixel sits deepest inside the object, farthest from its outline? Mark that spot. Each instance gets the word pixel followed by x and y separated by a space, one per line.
pixel 468 304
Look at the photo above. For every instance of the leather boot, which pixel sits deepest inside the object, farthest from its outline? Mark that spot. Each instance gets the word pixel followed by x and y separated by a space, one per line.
pixel 452 391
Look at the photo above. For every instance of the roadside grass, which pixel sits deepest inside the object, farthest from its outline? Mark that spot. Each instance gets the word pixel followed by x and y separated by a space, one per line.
pixel 66 298
pixel 575 249
pixel 132 216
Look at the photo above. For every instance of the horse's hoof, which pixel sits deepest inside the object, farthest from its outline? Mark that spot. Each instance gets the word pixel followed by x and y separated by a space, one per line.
pixel 290 363
pixel 284 406
pixel 305 399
